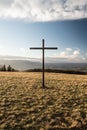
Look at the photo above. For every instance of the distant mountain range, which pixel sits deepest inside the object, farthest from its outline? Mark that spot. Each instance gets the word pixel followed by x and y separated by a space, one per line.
pixel 22 63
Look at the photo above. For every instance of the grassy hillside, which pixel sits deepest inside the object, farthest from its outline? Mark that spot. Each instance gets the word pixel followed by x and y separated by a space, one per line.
pixel 25 105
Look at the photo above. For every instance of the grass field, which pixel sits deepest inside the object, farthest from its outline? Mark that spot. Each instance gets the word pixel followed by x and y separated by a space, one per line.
pixel 25 105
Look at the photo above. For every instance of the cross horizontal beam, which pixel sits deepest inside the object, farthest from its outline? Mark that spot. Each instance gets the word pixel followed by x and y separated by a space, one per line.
pixel 43 48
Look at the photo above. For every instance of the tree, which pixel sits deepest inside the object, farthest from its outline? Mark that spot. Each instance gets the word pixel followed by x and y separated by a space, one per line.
pixel 12 69
pixel 9 68
pixel 3 68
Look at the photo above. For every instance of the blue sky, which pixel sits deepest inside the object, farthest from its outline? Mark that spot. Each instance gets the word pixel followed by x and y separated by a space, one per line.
pixel 63 24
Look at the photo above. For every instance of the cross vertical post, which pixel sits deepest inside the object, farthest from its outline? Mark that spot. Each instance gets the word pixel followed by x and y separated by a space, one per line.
pixel 43 63
pixel 43 48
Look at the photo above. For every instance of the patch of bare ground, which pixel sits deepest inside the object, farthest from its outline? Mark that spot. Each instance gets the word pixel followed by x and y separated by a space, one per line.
pixel 25 105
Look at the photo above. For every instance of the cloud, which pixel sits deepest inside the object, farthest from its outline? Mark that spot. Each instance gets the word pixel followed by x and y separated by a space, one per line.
pixel 70 55
pixel 76 52
pixel 68 49
pixel 42 10
pixel 63 54
pixel 9 57
pixel 84 58
pixel 66 56
pixel 6 3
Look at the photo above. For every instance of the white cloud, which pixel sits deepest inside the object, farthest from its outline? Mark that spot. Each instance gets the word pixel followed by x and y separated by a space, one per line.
pixel 68 49
pixel 83 58
pixel 72 55
pixel 63 54
pixel 42 10
pixel 76 52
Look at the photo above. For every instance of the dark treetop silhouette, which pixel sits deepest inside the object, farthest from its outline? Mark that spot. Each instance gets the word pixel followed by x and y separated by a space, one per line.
pixel 43 48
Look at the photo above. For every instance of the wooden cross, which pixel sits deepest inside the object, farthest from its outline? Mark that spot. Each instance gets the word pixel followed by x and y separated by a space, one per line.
pixel 43 48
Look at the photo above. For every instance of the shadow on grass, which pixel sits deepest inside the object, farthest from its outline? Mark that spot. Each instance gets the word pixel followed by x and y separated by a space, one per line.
pixel 41 87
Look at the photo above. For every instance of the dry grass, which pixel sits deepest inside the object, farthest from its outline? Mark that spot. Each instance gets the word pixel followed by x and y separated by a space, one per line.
pixel 25 105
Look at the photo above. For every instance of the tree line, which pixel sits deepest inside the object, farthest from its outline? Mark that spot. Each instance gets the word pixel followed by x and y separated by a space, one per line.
pixel 8 68
pixel 59 71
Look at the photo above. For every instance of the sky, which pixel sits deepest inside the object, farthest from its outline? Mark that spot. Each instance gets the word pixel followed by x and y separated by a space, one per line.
pixel 62 23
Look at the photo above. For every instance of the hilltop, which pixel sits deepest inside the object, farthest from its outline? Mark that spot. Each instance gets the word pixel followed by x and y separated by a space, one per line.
pixel 25 105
